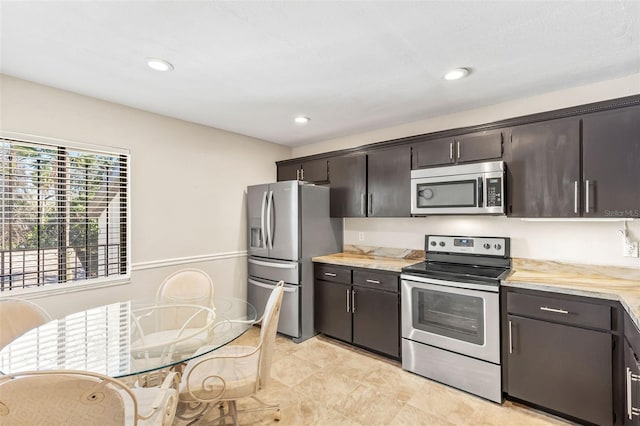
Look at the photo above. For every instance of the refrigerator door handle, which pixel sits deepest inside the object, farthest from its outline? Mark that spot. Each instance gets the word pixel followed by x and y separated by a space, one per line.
pixel 270 287
pixel 273 265
pixel 269 230
pixel 262 236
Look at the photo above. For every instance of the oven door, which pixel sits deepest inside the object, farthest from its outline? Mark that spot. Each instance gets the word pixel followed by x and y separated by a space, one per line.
pixel 457 319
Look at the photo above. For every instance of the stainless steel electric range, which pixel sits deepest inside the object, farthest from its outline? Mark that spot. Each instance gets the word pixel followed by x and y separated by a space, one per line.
pixel 451 313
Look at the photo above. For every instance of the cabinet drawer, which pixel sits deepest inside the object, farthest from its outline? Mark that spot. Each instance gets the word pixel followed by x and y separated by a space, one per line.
pixel 561 310
pixel 332 273
pixel 376 280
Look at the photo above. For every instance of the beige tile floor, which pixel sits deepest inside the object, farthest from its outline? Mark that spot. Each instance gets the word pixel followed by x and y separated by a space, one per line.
pixel 325 382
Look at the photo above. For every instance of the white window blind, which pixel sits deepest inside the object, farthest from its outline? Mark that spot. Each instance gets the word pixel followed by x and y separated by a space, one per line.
pixel 63 214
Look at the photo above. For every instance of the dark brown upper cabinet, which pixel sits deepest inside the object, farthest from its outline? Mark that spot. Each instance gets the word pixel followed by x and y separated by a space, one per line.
pixel 582 161
pixel 584 166
pixel 348 183
pixel 544 169
pixel 459 149
pixel 308 171
pixel 376 184
pixel 288 172
pixel 611 163
pixel 389 179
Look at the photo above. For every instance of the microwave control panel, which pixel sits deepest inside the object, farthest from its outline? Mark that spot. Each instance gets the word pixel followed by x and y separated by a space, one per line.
pixel 494 192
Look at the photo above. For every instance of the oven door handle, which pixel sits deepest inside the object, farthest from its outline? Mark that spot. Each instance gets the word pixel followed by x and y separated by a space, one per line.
pixel 480 191
pixel 416 281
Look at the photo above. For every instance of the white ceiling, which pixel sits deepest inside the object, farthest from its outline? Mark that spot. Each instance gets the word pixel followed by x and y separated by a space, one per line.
pixel 352 66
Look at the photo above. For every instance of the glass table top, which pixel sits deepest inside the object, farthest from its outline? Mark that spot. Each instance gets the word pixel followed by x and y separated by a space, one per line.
pixel 129 337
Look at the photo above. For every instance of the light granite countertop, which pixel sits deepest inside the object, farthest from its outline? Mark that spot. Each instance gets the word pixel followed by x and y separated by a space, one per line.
pixel 382 258
pixel 604 282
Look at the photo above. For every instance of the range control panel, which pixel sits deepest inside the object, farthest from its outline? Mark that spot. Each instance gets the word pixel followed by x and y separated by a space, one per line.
pixel 467 245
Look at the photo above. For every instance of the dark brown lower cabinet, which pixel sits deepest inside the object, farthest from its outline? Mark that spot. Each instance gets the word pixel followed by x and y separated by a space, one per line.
pixel 562 368
pixel 631 372
pixel 375 320
pixel 632 385
pixel 363 310
pixel 330 309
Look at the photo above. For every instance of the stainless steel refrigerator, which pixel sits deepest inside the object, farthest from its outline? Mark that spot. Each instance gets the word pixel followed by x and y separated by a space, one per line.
pixel 288 224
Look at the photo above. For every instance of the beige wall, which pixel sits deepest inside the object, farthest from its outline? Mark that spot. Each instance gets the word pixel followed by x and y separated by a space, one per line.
pixel 579 242
pixel 187 184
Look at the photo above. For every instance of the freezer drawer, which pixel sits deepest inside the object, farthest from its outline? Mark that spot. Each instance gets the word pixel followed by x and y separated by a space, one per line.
pixel 274 270
pixel 258 291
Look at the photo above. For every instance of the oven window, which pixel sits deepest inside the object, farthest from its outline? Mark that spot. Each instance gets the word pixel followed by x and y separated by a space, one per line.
pixel 459 317
pixel 446 194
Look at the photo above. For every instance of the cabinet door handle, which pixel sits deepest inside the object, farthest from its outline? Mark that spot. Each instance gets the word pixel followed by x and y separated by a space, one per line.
pixel 348 300
pixel 586 196
pixel 373 281
pixel 370 203
pixel 297 174
pixel 458 149
pixel 353 301
pixel 575 197
pixel 630 378
pixel 362 201
pixel 510 337
pixel 301 174
pixel 557 311
pixel 450 151
pixel 330 274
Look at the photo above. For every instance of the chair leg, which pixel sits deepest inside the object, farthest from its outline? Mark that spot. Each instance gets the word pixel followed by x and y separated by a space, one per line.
pixel 233 412
pixel 209 419
pixel 265 406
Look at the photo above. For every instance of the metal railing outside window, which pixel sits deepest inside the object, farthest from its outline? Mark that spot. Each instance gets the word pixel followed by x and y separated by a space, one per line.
pixel 63 213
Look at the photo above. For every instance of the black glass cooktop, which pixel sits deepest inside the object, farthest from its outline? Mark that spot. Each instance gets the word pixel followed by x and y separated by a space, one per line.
pixel 456 271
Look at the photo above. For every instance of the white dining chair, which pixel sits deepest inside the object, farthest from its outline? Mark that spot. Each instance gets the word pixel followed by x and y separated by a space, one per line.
pixel 186 286
pixel 233 372
pixel 17 316
pixel 80 398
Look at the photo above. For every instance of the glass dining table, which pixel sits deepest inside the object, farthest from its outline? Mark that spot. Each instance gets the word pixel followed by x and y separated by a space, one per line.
pixel 129 338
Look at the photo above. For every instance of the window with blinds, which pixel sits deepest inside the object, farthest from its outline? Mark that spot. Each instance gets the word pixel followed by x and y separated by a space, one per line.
pixel 63 214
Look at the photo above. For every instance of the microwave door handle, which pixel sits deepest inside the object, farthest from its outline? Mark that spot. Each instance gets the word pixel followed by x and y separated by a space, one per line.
pixel 480 192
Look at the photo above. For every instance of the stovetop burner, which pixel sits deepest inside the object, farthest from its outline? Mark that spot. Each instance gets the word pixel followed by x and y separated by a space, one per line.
pixel 468 259
pixel 454 270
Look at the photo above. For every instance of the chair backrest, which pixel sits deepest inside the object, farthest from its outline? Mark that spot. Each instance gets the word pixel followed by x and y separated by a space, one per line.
pixel 268 332
pixel 17 317
pixel 187 286
pixel 64 397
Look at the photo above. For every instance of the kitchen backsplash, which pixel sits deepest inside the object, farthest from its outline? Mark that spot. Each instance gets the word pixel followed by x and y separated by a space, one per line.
pixel 586 242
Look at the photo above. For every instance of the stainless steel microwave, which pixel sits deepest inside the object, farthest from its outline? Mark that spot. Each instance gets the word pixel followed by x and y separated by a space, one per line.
pixel 466 189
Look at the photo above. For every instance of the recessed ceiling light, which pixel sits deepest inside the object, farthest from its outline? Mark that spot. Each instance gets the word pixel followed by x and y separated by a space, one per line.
pixel 457 74
pixel 301 120
pixel 159 64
